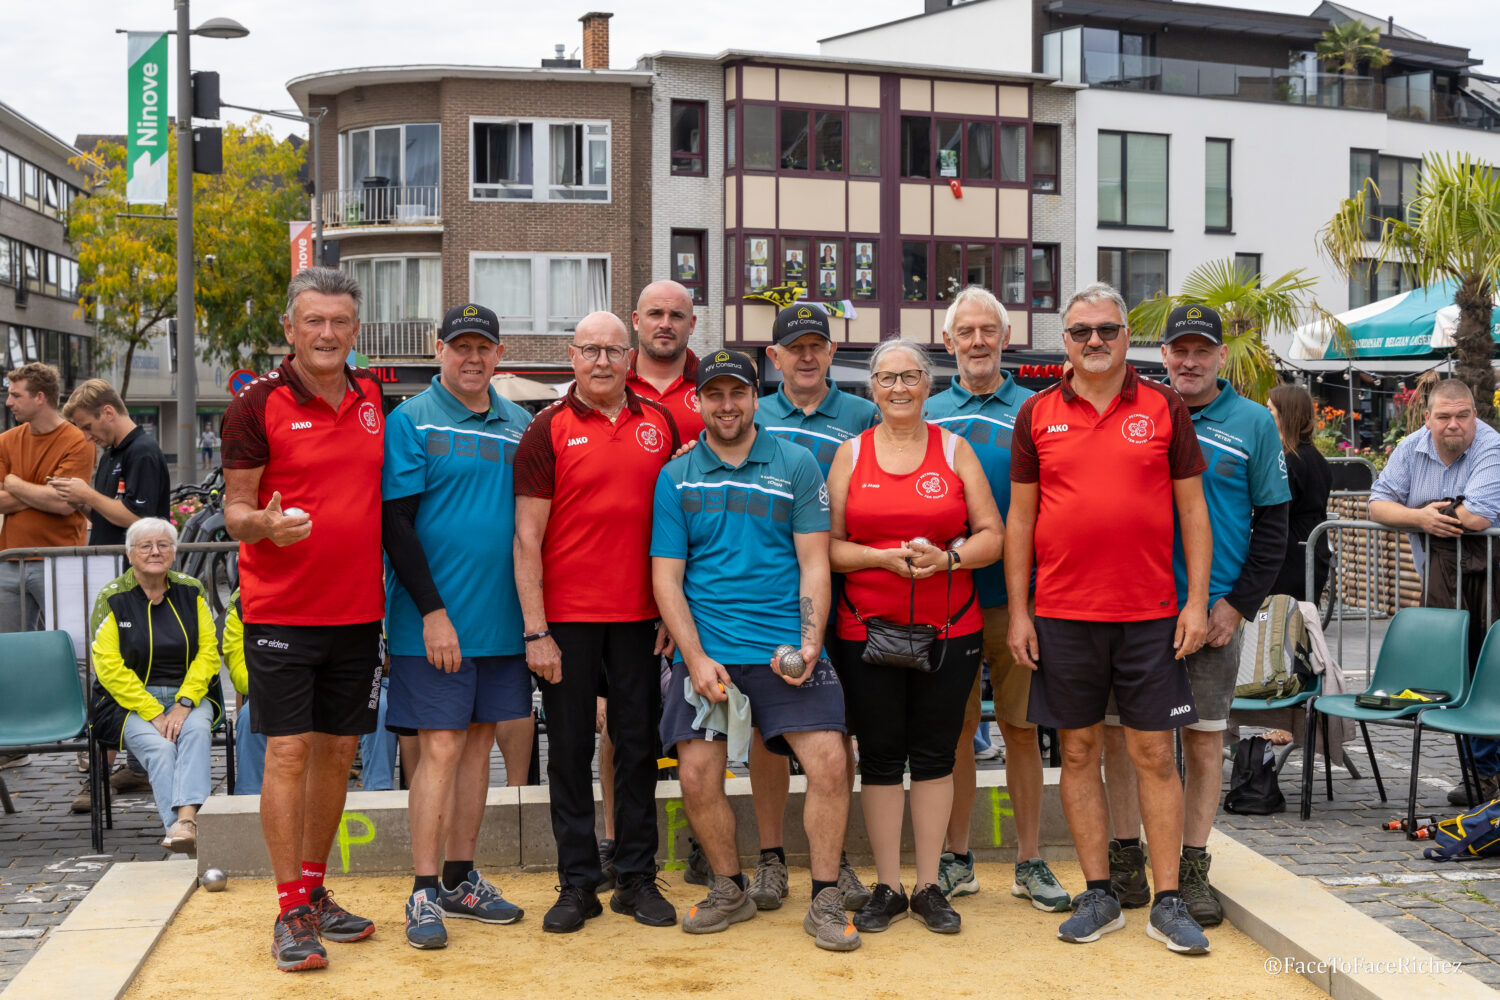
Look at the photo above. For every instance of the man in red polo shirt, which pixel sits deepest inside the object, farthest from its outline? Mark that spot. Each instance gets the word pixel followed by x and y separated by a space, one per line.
pixel 586 473
pixel 303 449
pixel 661 367
pixel 1097 463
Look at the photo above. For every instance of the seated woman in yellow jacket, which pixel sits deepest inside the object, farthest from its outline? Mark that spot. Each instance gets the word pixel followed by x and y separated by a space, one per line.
pixel 155 651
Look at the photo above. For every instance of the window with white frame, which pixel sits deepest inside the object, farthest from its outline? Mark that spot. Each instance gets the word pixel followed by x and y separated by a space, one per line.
pixel 405 155
pixel 398 289
pixel 534 160
pixel 539 293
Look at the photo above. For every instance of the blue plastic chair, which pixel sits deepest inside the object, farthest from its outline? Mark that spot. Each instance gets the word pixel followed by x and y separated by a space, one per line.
pixel 1304 700
pixel 1478 714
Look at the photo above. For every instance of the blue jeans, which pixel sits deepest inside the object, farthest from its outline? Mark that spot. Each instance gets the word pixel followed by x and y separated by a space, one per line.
pixel 178 771
pixel 249 755
pixel 1486 756
pixel 377 750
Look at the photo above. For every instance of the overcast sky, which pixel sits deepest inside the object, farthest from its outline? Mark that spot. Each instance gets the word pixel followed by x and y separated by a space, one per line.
pixel 68 73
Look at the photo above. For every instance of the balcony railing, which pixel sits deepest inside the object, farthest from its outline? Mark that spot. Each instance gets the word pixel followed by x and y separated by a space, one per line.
pixel 406 338
pixel 379 205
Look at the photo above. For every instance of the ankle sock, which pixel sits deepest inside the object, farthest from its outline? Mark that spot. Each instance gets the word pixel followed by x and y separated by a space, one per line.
pixel 1128 841
pixel 291 894
pixel 820 886
pixel 424 882
pixel 1102 884
pixel 1163 895
pixel 456 872
pixel 739 880
pixel 1193 852
pixel 780 853
pixel 312 874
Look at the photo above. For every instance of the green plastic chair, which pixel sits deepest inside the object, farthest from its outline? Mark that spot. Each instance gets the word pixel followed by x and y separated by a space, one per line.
pixel 1422 648
pixel 1477 715
pixel 1304 700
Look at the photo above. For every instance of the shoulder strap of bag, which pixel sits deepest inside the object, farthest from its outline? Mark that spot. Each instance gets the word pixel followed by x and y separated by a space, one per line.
pixel 1479 829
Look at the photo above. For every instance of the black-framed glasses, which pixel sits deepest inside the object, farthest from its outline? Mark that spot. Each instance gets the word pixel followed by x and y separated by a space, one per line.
pixel 591 352
pixel 911 376
pixel 1083 334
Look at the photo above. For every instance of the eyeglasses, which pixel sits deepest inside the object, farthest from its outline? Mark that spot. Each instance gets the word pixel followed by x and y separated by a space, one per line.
pixel 912 376
pixel 591 352
pixel 1083 334
pixel 161 545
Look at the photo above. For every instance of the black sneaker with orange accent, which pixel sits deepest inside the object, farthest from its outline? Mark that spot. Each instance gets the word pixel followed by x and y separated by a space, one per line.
pixel 294 941
pixel 336 923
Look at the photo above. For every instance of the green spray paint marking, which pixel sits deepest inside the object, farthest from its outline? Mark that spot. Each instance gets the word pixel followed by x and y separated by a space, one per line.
pixel 999 807
pixel 346 840
pixel 676 820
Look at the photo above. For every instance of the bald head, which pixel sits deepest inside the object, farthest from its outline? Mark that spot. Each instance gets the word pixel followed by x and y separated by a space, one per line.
pixel 664 321
pixel 601 328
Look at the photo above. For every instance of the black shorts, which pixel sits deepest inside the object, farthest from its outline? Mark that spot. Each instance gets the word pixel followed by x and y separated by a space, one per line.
pixel 313 678
pixel 1081 663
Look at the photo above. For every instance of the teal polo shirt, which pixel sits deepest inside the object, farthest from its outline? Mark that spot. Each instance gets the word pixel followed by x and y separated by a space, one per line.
pixel 462 466
pixel 734 525
pixel 986 423
pixel 839 417
pixel 1246 469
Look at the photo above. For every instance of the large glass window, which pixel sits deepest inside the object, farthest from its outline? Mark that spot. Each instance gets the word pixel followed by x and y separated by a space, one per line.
pixel 1246 267
pixel 689 269
pixel 864 143
pixel 916 146
pixel 828 138
pixel 1138 274
pixel 1217 199
pixel 506 157
pixel 689 120
pixel 794 139
pixel 1044 158
pixel 731 158
pixel 981 159
pixel 914 272
pixel 1012 283
pixel 398 289
pixel 502 160
pixel 1132 179
pixel 1044 276
pixel 1397 179
pixel 949 272
pixel 402 155
pixel 540 293
pixel 760 137
pixel 1013 153
pixel 1371 282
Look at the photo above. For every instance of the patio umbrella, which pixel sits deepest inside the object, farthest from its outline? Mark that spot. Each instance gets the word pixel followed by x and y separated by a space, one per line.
pixel 521 390
pixel 1406 325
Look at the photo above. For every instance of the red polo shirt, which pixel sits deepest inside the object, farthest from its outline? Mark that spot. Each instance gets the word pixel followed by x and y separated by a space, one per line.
pixel 1104 518
pixel 601 479
pixel 680 398
pixel 328 464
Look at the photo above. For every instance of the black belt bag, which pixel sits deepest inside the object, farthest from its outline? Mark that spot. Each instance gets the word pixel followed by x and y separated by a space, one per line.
pixel 890 644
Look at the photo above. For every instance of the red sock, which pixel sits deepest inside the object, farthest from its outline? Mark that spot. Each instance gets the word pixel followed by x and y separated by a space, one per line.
pixel 312 875
pixel 290 894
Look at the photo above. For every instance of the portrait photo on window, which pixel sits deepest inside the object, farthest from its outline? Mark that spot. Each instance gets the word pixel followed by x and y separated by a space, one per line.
pixel 759 250
pixel 758 281
pixel 828 283
pixel 687 266
pixel 792 264
pixel 864 283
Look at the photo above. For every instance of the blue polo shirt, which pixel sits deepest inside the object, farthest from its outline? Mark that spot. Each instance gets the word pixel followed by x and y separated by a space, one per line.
pixel 839 417
pixel 734 526
pixel 986 423
pixel 462 465
pixel 1246 469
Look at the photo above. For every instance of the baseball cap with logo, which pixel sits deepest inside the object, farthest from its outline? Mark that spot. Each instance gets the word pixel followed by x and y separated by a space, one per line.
pixel 1197 321
pixel 730 363
pixel 470 318
pixel 799 320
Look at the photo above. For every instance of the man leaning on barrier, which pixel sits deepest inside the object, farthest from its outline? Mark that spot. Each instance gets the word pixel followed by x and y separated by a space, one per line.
pixel 1444 481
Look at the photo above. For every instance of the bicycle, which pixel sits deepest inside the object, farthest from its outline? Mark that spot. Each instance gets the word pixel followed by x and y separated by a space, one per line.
pixel 219 572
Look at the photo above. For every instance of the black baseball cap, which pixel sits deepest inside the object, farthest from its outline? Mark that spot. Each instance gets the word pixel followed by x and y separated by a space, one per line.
pixel 470 318
pixel 797 321
pixel 1197 321
pixel 730 363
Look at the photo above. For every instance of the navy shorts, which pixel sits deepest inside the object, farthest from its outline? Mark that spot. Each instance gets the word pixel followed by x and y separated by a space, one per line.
pixel 1082 663
pixel 313 678
pixel 483 689
pixel 776 707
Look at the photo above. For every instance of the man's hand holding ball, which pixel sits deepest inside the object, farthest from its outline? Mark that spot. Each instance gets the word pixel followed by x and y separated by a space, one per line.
pixel 285 527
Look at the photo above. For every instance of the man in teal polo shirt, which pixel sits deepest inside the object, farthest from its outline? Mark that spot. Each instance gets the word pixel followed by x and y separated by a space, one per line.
pixel 1248 507
pixel 453 621
pixel 981 406
pixel 808 410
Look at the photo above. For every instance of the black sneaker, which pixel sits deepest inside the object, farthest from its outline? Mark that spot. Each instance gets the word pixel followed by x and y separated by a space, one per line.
pixel 638 895
pixel 1127 875
pixel 294 941
pixel 336 923
pixel 574 905
pixel 608 874
pixel 885 905
pixel 932 908
pixel 699 871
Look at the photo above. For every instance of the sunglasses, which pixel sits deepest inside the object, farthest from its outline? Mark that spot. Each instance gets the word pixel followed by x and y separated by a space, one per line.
pixel 1083 334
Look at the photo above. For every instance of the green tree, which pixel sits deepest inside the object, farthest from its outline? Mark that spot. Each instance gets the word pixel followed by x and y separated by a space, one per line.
pixel 1250 308
pixel 1345 46
pixel 128 266
pixel 1451 232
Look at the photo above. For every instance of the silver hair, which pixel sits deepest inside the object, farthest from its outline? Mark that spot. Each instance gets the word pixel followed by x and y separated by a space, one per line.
pixel 1099 291
pixel 150 527
pixel 982 296
pixel 323 280
pixel 911 347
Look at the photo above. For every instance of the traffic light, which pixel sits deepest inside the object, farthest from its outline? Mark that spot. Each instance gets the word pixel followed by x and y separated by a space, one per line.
pixel 206 95
pixel 208 150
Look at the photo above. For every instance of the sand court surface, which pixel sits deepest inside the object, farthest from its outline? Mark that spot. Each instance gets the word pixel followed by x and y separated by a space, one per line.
pixel 220 942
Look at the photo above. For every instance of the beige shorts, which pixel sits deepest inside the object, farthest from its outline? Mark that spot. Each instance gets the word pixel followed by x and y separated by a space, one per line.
pixel 1010 681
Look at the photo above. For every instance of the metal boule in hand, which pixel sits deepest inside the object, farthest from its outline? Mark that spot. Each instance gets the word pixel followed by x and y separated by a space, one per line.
pixel 789 658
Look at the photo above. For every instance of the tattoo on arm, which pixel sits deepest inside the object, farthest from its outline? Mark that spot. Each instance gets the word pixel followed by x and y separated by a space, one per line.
pixel 809 626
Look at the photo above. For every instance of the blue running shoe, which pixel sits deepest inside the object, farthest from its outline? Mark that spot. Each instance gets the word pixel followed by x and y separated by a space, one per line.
pixel 476 899
pixel 1094 913
pixel 424 921
pixel 1174 926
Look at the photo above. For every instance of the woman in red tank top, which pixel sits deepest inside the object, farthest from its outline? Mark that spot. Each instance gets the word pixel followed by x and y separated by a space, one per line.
pixel 900 495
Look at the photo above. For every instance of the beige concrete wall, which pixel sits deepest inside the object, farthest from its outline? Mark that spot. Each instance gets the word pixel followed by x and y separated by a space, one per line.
pixel 971 215
pixel 1014 205
pixel 760 83
pixel 812 204
pixel 801 86
pixel 1013 102
pixel 759 202
pixel 916 95
pixel 864 91
pixel 954 98
pixel 864 206
pixel 865 328
pixel 916 209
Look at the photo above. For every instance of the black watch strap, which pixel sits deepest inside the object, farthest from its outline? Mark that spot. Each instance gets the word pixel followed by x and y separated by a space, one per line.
pixel 534 636
pixel 186 702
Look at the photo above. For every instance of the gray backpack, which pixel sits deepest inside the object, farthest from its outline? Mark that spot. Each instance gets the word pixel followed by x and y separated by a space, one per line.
pixel 1274 652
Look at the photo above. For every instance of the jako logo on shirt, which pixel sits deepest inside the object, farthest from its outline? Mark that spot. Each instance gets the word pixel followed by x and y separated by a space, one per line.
pixel 1138 428
pixel 127 624
pixel 932 486
pixel 369 417
pixel 577 440
pixel 301 425
pixel 1056 428
pixel 650 438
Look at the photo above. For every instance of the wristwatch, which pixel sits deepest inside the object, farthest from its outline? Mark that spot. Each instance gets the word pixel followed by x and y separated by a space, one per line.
pixel 955 557
pixel 186 703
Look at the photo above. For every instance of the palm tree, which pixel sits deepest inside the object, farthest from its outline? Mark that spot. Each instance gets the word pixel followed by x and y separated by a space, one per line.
pixel 1349 44
pixel 1451 232
pixel 1250 308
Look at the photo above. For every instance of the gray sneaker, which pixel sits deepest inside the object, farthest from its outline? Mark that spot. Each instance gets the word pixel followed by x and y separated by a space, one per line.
pixel 1127 875
pixel 1095 913
pixel 698 870
pixel 856 893
pixel 828 923
pixel 1202 902
pixel 1173 926
pixel 956 875
pixel 1035 881
pixel 726 904
pixel 768 886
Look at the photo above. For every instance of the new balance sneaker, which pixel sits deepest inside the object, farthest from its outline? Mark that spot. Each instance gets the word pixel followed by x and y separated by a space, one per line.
pixel 1193 887
pixel 1035 881
pixel 574 905
pixel 768 886
pixel 1095 913
pixel 699 871
pixel 726 904
pixel 477 899
pixel 1127 875
pixel 884 906
pixel 1173 926
pixel 608 874
pixel 856 895
pixel 829 924
pixel 956 875
pixel 639 896
pixel 336 923
pixel 294 941
pixel 932 908
pixel 424 921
